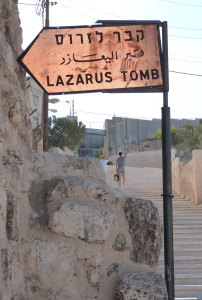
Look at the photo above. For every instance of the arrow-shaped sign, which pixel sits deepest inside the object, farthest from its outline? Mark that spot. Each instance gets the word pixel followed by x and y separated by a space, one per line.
pixel 96 58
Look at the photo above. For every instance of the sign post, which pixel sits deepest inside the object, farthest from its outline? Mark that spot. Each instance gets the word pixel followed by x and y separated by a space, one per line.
pixel 116 56
pixel 167 178
pixel 45 97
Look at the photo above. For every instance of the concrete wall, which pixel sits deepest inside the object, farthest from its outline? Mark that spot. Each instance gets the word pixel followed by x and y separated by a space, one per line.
pixel 91 143
pixel 122 132
pixel 186 179
pixel 150 159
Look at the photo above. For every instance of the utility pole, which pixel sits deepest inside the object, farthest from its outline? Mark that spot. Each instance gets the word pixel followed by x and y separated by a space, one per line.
pixel 45 98
pixel 73 108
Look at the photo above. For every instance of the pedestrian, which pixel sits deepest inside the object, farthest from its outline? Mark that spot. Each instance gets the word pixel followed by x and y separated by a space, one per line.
pixel 104 162
pixel 120 168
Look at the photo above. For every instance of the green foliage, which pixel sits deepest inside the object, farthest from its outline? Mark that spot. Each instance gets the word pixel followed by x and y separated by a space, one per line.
pixel 186 138
pixel 199 132
pixel 99 154
pixel 63 132
pixel 158 134
pixel 175 139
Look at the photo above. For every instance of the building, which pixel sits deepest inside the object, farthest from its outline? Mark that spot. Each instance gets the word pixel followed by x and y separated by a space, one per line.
pixel 134 135
pixel 92 142
pixel 35 98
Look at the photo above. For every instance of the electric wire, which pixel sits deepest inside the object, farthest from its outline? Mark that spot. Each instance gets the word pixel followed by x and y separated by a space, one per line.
pixel 184 55
pixel 173 2
pixel 183 28
pixel 77 11
pixel 186 73
pixel 97 9
pixel 192 61
pixel 126 19
pixel 40 10
pixel 110 126
pixel 27 4
pixel 185 37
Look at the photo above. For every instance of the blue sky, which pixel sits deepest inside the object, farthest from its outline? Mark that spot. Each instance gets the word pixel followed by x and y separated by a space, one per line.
pixel 185 56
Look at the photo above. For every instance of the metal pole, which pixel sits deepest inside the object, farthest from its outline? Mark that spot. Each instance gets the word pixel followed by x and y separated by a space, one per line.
pixel 167 178
pixel 73 108
pixel 47 14
pixel 45 98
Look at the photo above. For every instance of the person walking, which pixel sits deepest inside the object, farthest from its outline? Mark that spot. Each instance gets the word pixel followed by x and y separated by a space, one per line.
pixel 120 168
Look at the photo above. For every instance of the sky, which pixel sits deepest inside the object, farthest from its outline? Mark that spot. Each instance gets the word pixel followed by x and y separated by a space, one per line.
pixel 184 49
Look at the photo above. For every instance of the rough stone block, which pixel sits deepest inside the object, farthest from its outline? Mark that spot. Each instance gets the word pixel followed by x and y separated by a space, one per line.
pixel 140 286
pixel 119 243
pixel 85 221
pixel 12 226
pixel 146 230
pixel 62 270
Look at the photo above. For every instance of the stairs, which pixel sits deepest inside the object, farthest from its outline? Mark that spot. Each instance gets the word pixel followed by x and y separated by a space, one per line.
pixel 187 237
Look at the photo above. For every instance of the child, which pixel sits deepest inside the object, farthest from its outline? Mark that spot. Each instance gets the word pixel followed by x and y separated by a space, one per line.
pixel 104 162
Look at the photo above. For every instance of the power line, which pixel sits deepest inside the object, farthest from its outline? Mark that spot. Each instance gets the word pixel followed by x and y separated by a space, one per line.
pixel 76 11
pixel 193 61
pixel 109 127
pixel 96 9
pixel 27 4
pixel 123 18
pixel 185 37
pixel 185 55
pixel 180 3
pixel 185 28
pixel 199 29
pixel 93 113
pixel 186 73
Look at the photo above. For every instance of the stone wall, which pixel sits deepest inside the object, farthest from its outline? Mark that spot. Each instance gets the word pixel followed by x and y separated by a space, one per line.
pixel 64 233
pixel 15 140
pixel 186 178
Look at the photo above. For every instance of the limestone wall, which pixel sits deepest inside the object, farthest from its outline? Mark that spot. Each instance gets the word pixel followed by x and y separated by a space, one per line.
pixel 15 140
pixel 186 179
pixel 64 233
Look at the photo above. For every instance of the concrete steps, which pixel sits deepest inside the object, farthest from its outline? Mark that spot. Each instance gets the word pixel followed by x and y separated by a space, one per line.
pixel 187 238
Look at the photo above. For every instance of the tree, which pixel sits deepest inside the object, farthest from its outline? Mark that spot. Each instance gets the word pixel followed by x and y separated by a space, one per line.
pixel 188 137
pixel 174 136
pixel 199 132
pixel 158 134
pixel 99 154
pixel 175 139
pixel 63 132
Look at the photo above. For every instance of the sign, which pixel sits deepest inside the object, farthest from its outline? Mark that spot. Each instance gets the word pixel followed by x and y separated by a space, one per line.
pixel 96 58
